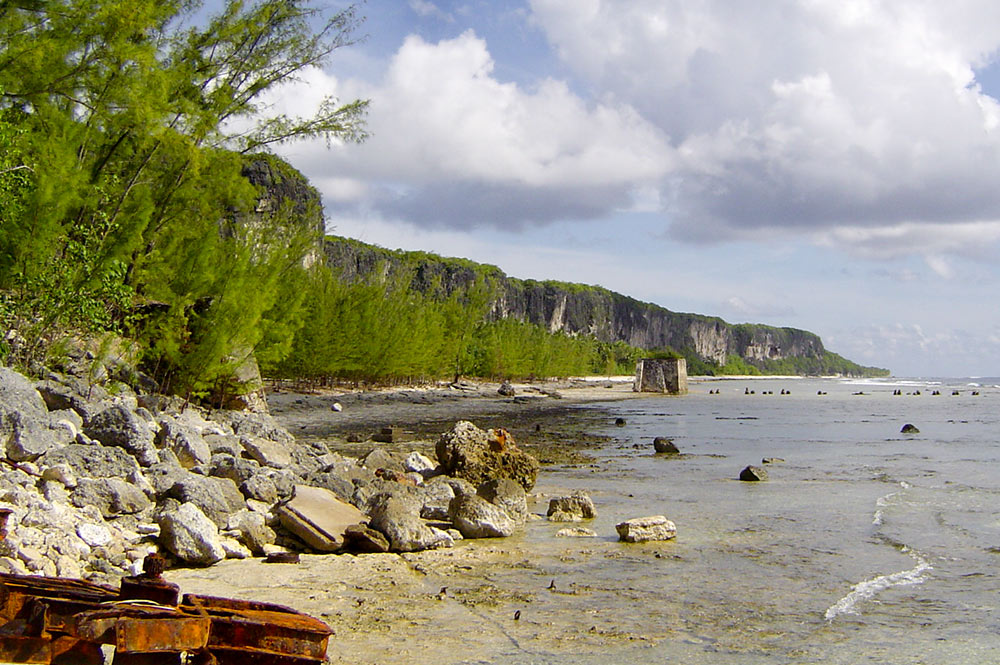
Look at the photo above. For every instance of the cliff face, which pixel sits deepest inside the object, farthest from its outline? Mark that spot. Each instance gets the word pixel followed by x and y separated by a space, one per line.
pixel 575 308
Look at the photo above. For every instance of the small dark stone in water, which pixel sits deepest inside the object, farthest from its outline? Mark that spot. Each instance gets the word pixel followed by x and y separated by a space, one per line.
pixel 662 444
pixel 517 615
pixel 753 474
pixel 538 427
pixel 552 585
pixel 620 422
pixel 909 429
pixel 771 460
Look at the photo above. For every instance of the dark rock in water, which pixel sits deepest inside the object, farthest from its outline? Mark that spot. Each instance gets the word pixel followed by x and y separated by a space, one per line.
pixel 620 422
pixel 753 473
pixel 662 444
pixel 476 455
pixel 506 390
pixel 909 429
pixel 771 460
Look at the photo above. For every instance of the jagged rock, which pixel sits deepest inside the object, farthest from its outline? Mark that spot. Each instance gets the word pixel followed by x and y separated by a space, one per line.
pixel 406 532
pixel 475 517
pixel 379 458
pixel 642 529
pixel 236 469
pixel 164 475
pixel 507 495
pixel 753 474
pixel 318 517
pixel 364 540
pixel 506 390
pixel 29 437
pixel 92 461
pixel 191 536
pixel 119 426
pixel 259 425
pixel 418 463
pixel 95 535
pixel 332 481
pixel 261 488
pixel 662 444
pixel 216 498
pixel 437 496
pixel 267 452
pixel 366 495
pixel 573 508
pixel 284 481
pixel 112 496
pixel 18 395
pixel 185 441
pixel 252 530
pixel 477 456
pixel 234 549
pixel 228 444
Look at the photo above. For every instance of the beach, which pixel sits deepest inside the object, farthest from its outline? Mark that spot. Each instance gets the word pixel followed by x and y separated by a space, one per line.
pixel 865 545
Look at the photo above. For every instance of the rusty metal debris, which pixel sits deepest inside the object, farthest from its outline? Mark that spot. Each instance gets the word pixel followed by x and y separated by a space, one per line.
pixel 59 621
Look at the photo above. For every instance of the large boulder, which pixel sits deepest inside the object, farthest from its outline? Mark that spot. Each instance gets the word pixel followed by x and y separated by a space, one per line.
pixel 88 461
pixel 753 474
pixel 477 456
pixel 184 440
pixel 266 452
pixel 29 437
pixel 318 517
pixel 507 495
pixel 217 498
pixel 191 536
pixel 112 496
pixel 406 532
pixel 120 426
pixel 18 395
pixel 475 517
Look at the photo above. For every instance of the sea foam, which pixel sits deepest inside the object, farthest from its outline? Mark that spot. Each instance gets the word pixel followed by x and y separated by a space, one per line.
pixel 869 588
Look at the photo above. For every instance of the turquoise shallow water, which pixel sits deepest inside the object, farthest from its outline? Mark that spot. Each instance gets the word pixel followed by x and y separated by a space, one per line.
pixel 864 546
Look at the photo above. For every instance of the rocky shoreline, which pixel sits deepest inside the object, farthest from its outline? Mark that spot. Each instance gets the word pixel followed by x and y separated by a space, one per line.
pixel 94 480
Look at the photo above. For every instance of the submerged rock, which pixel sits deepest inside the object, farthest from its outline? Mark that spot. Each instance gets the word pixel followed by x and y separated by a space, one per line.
pixel 753 474
pixel 909 429
pixel 662 444
pixel 573 508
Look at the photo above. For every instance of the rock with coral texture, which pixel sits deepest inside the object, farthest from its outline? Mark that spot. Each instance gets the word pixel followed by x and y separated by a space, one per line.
pixel 476 455
pixel 643 529
pixel 397 520
pixel 122 427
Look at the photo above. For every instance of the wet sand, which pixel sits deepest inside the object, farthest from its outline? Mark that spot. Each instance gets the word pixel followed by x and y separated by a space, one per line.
pixel 453 605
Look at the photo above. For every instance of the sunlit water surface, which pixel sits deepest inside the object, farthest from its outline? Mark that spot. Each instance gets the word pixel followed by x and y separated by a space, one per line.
pixel 865 545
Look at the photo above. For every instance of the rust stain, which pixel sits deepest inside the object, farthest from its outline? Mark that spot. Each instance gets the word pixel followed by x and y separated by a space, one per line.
pixel 57 620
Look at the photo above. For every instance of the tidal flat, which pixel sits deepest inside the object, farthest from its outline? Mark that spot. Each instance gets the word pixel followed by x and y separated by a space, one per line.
pixel 865 545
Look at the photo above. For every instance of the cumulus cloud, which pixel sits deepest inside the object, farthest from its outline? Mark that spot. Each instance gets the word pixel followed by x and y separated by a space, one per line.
pixel 801 115
pixel 856 124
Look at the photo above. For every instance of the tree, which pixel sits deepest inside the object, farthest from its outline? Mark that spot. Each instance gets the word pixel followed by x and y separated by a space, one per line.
pixel 137 193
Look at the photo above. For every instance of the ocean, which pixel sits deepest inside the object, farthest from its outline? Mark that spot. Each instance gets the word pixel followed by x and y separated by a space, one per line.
pixel 865 545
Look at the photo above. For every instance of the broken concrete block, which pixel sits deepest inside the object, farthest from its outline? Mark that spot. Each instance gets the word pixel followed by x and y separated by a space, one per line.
pixel 318 517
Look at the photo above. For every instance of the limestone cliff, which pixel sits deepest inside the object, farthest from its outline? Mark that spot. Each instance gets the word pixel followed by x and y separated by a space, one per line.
pixel 575 308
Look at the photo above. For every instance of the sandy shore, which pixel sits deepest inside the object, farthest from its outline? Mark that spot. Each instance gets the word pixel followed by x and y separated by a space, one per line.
pixel 456 605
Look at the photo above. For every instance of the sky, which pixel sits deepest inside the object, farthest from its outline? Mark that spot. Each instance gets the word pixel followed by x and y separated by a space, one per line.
pixel 830 165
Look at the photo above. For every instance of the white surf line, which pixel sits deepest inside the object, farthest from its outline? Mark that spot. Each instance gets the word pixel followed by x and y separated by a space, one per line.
pixel 865 590
pixel 883 501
